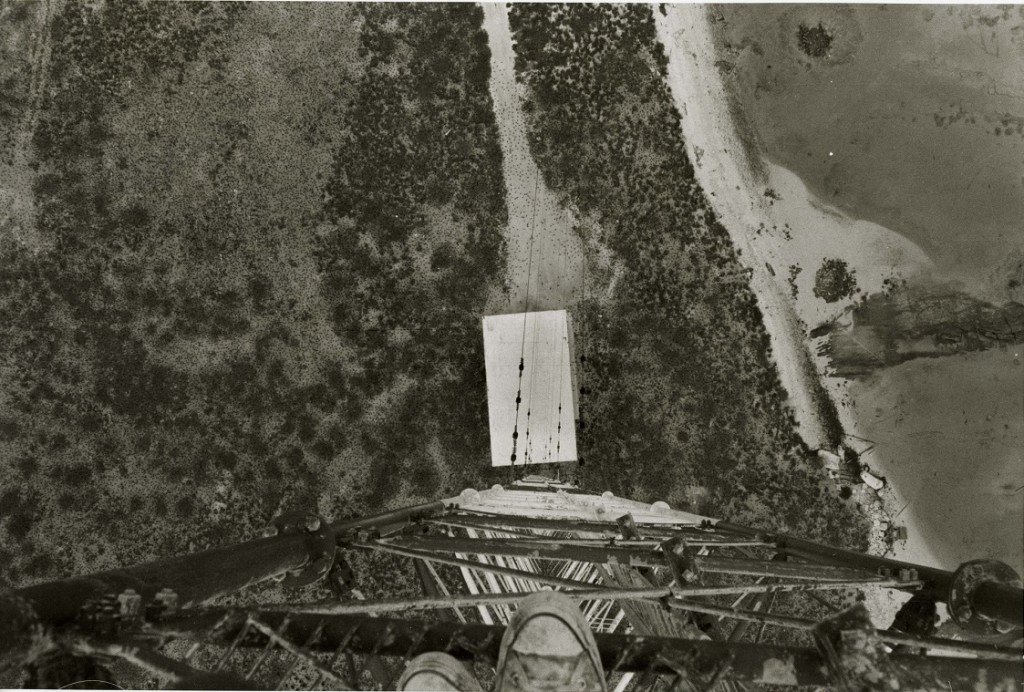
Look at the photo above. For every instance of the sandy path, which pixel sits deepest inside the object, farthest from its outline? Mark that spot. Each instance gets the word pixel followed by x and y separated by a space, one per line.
pixel 553 277
pixel 956 453
pixel 713 146
pixel 758 228
pixel 17 201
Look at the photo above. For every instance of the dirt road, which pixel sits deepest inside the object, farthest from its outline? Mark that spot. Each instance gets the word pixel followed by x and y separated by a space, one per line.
pixel 17 204
pixel 545 256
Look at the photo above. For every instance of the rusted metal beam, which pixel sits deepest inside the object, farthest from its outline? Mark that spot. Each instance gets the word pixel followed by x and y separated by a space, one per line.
pixel 461 601
pixel 390 522
pixel 473 564
pixel 836 556
pixel 139 655
pixel 391 637
pixel 199 577
pixel 588 593
pixel 759 605
pixel 999 602
pixel 171 671
pixel 194 578
pixel 643 557
pixel 610 530
pixel 897 638
pixel 649 543
pixel 994 601
pixel 625 653
pixel 581 525
pixel 274 634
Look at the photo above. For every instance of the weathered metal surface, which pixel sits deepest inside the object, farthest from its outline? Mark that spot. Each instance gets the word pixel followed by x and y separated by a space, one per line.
pixel 853 651
pixel 650 532
pixel 474 564
pixel 390 522
pixel 32 619
pixel 609 527
pixel 461 601
pixel 998 586
pixel 644 557
pixel 937 578
pixel 741 614
pixel 274 634
pixel 198 577
pixel 407 638
pixel 195 578
pixel 138 654
pixel 749 663
pixel 998 600
pixel 321 544
pixel 588 592
pixel 909 641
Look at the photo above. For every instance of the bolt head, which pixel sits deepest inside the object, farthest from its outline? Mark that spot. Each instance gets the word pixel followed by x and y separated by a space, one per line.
pixel 964 613
pixel 269 532
pixel 311 523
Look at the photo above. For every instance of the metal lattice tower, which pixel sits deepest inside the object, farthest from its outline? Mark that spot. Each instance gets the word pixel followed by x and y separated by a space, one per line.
pixel 676 600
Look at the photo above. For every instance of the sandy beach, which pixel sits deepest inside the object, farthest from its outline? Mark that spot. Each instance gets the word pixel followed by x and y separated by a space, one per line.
pixel 791 227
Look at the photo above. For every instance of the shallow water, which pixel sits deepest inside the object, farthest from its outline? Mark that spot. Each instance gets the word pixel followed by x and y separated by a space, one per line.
pixel 952 433
pixel 916 123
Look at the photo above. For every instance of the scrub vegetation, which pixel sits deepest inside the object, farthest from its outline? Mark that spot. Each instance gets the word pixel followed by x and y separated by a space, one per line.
pixel 815 41
pixel 834 281
pixel 270 233
pixel 16 52
pixel 272 230
pixel 681 390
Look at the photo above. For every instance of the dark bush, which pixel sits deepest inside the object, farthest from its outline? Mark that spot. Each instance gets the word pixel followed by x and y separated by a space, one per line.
pixel 834 281
pixel 814 41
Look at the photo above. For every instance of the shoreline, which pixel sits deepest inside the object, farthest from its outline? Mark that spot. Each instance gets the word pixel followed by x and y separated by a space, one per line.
pixel 770 233
pixel 728 182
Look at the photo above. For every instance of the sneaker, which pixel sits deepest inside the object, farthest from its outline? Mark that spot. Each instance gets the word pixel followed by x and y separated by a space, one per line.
pixel 548 646
pixel 437 671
